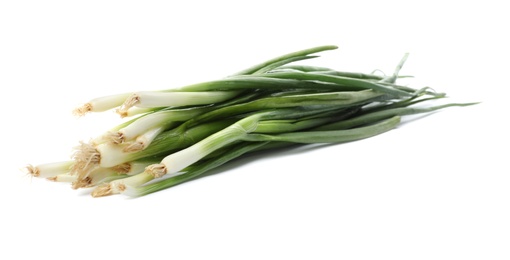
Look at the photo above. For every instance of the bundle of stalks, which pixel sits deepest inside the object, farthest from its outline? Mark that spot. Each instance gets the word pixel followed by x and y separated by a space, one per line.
pixel 177 135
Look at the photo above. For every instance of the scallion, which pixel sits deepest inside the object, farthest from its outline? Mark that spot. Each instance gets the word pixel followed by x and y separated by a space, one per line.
pixel 181 134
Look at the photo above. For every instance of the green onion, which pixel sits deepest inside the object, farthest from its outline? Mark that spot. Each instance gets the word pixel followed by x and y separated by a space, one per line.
pixel 332 136
pixel 154 99
pixel 353 83
pixel 101 104
pixel 284 59
pixel 160 119
pixel 48 170
pixel 183 133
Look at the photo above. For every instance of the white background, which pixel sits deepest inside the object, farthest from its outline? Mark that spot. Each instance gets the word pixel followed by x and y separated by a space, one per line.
pixel 434 188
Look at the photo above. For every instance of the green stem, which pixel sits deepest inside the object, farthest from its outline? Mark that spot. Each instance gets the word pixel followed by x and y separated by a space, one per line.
pixel 384 114
pixel 288 57
pixel 393 78
pixel 282 62
pixel 261 82
pixel 292 125
pixel 336 136
pixel 355 75
pixel 353 83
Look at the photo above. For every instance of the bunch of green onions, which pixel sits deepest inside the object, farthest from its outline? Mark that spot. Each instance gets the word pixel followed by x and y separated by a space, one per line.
pixel 177 135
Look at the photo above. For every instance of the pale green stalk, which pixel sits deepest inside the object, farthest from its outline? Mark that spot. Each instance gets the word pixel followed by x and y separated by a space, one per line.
pixel 291 125
pixel 346 82
pixel 48 170
pixel 280 63
pixel 394 76
pixel 328 71
pixel 135 111
pixel 383 114
pixel 290 57
pixel 144 140
pixel 101 104
pixel 333 136
pixel 153 99
pixel 306 68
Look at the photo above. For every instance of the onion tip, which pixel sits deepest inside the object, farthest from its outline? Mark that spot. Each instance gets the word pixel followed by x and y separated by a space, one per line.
pixel 102 190
pixel 82 183
pixel 156 170
pixel 32 170
pixel 129 103
pixel 82 110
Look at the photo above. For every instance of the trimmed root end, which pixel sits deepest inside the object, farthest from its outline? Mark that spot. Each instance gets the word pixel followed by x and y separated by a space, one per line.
pixel 108 189
pixel 135 147
pixel 119 188
pixel 129 103
pixel 156 170
pixel 102 190
pixel 54 178
pixel 115 137
pixel 32 170
pixel 82 183
pixel 86 158
pixel 84 109
pixel 122 114
pixel 122 168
